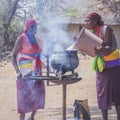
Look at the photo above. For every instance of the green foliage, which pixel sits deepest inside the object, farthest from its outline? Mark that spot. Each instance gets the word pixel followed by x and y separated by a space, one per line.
pixel 15 26
pixel 1 28
pixel 71 12
pixel 14 30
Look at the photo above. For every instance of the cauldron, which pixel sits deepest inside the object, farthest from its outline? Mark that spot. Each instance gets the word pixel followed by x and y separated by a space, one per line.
pixel 64 61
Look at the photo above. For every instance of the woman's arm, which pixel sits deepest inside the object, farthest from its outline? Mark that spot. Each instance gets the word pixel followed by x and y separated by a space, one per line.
pixel 16 49
pixel 107 46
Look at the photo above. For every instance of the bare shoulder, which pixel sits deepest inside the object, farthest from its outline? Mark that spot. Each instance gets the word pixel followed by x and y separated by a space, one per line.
pixel 108 36
pixel 18 44
pixel 109 29
pixel 21 37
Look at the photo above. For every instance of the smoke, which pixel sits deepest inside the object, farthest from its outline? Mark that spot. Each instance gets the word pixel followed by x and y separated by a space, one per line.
pixel 56 38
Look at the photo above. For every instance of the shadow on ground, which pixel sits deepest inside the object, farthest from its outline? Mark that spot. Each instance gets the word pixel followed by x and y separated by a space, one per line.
pixel 56 113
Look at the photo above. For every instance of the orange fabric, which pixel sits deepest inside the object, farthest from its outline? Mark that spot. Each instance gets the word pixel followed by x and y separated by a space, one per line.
pixel 114 55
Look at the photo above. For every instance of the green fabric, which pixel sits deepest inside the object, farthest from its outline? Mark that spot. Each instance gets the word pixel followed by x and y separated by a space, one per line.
pixel 98 64
pixel 92 31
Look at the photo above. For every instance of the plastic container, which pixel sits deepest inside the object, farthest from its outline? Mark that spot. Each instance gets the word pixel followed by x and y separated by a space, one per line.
pixel 86 42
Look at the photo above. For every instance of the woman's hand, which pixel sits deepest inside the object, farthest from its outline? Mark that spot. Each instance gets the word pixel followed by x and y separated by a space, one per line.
pixel 99 50
pixel 103 51
pixel 99 47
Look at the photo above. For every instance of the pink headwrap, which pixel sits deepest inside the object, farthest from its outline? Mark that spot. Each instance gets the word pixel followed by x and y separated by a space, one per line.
pixel 96 16
pixel 29 23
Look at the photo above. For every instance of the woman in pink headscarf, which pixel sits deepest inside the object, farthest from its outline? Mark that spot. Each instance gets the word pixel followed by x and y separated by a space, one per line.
pixel 26 61
pixel 107 80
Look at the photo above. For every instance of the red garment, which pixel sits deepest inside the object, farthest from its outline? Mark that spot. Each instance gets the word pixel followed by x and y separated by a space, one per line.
pixel 98 31
pixel 27 48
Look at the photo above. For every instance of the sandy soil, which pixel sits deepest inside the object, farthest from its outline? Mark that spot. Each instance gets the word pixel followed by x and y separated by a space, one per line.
pixel 84 89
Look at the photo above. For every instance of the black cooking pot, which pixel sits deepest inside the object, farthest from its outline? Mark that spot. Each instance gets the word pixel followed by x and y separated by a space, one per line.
pixel 65 61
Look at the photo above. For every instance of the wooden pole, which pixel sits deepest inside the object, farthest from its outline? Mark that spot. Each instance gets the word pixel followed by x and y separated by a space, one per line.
pixel 64 102
pixel 48 70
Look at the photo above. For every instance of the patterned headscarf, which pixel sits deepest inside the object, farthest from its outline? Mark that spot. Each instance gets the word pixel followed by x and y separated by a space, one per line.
pixel 95 16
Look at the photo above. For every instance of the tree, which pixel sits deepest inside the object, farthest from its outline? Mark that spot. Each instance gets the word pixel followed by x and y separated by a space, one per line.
pixel 7 19
pixel 114 5
pixel 13 13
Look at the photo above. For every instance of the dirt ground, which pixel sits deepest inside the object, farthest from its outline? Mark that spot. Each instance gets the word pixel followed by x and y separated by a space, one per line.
pixel 84 89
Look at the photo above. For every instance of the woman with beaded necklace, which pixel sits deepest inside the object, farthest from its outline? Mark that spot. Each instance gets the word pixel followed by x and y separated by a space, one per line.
pixel 107 80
